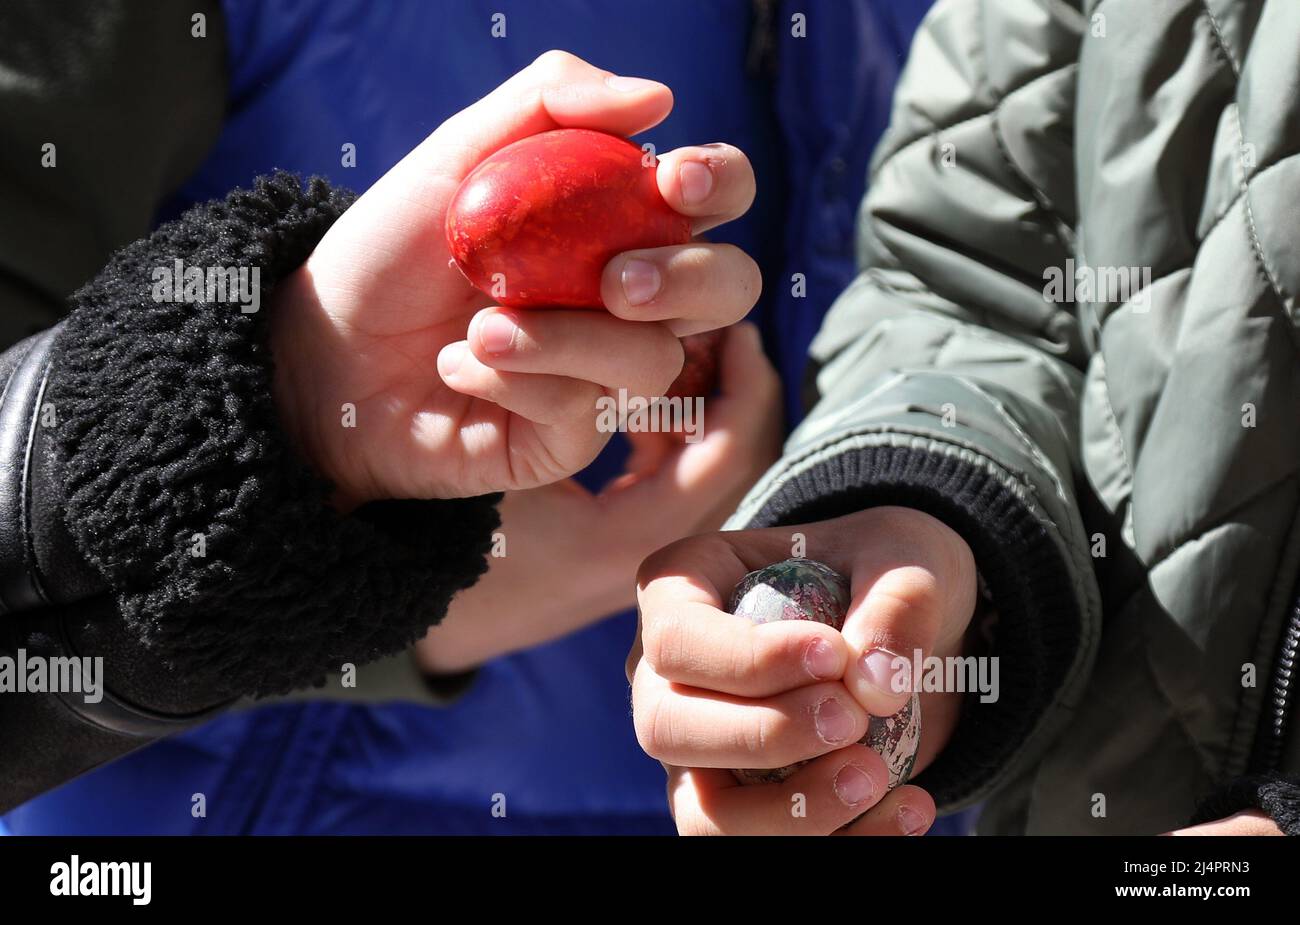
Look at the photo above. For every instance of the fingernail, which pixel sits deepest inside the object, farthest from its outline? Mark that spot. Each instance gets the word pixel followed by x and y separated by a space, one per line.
pixel 853 785
pixel 628 84
pixel 821 660
pixel 910 822
pixel 834 723
pixel 497 333
pixel 450 358
pixel 640 281
pixel 889 673
pixel 696 180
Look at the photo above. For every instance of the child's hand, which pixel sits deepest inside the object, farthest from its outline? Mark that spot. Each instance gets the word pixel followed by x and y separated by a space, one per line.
pixel 453 397
pixel 711 691
pixel 571 556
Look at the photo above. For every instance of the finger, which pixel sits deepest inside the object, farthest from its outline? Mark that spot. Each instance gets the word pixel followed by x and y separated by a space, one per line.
pixel 558 90
pixel 550 401
pixel 713 184
pixel 694 287
pixel 706 568
pixel 592 346
pixel 694 643
pixel 697 728
pixel 748 404
pixel 905 810
pixel 649 450
pixel 740 442
pixel 701 571
pixel 908 588
pixel 674 486
pixel 633 661
pixel 818 799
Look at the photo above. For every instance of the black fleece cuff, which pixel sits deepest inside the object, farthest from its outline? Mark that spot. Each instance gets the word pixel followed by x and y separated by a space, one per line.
pixel 1276 795
pixel 1039 626
pixel 168 433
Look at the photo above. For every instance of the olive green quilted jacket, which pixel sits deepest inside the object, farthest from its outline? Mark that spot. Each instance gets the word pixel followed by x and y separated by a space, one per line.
pixel 1074 338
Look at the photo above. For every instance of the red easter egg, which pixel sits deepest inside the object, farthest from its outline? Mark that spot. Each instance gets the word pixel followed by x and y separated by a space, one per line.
pixel 535 223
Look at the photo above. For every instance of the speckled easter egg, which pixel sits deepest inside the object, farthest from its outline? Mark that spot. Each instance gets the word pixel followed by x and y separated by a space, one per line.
pixel 801 589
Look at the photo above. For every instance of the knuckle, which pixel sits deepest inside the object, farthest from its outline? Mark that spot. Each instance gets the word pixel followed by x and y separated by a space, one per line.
pixel 656 641
pixel 645 719
pixel 907 601
pixel 751 279
pixel 653 566
pixel 945 555
pixel 658 733
pixel 669 365
pixel 580 401
pixel 915 585
pixel 658 351
pixel 554 62
pixel 746 662
pixel 765 657
pixel 744 280
pixel 667 647
pixel 756 738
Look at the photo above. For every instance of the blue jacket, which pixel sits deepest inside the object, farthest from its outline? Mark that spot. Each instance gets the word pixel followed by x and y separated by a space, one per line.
pixel 548 728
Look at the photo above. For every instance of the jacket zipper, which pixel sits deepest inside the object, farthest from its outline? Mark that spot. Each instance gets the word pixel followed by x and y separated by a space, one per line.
pixel 1271 737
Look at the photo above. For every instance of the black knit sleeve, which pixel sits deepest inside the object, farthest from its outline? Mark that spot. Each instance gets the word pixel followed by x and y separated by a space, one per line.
pixel 218 544
pixel 1276 795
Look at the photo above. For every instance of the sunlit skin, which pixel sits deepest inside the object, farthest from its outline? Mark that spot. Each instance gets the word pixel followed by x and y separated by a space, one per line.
pixel 669 489
pixel 711 691
pixel 380 321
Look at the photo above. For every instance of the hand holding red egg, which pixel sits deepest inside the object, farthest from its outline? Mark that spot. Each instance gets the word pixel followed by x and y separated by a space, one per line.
pixel 458 391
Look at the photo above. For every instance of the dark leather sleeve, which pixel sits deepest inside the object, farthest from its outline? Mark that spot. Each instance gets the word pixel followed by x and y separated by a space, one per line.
pixel 54 608
pixel 135 426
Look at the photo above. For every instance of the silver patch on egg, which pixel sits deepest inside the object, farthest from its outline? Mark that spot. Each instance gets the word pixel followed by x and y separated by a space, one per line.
pixel 802 589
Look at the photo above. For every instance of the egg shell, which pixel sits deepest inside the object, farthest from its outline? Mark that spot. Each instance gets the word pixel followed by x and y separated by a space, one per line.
pixel 536 222
pixel 802 589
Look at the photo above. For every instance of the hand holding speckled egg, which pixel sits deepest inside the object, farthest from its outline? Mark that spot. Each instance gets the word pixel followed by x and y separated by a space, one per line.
pixel 797 679
pixel 801 589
